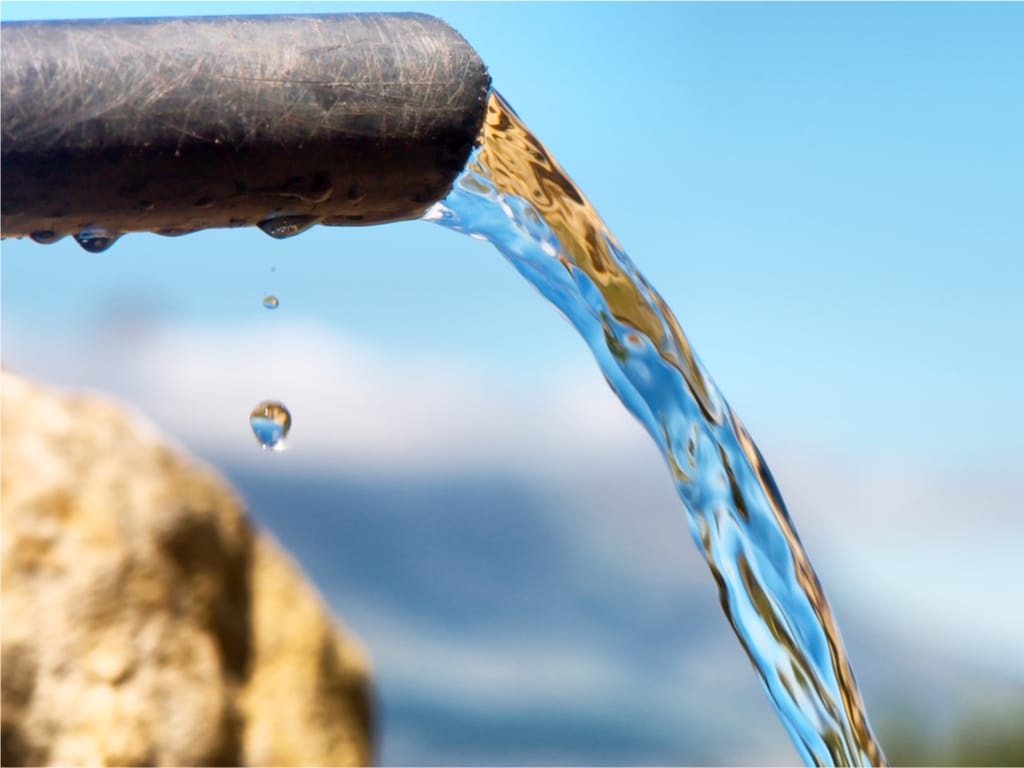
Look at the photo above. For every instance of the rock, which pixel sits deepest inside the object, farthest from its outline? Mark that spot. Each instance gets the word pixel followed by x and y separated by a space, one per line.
pixel 145 621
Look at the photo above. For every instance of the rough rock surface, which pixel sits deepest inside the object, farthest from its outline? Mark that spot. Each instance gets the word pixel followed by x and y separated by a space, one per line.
pixel 144 621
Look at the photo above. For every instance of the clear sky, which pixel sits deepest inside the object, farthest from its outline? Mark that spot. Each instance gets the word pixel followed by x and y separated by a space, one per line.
pixel 829 196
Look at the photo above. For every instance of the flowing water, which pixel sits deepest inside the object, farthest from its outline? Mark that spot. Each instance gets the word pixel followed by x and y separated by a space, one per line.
pixel 513 194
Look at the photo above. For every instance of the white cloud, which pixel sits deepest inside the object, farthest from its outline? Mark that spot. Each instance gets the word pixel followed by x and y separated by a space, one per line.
pixel 931 556
pixel 921 552
pixel 352 406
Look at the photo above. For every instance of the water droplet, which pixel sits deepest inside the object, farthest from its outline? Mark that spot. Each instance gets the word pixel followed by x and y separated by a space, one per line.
pixel 175 232
pixel 96 239
pixel 282 226
pixel 45 236
pixel 270 422
pixel 435 212
pixel 270 301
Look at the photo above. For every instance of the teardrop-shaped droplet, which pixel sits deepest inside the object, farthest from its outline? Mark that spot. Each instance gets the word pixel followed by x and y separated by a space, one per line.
pixel 283 226
pixel 45 236
pixel 270 422
pixel 96 239
pixel 270 301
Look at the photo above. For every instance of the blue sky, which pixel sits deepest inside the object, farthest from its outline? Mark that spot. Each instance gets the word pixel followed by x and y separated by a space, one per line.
pixel 829 196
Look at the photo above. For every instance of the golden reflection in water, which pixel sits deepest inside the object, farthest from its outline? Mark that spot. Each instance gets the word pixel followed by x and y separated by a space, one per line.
pixel 518 164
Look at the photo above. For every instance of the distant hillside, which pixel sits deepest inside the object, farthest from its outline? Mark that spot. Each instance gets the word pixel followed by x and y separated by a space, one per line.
pixel 498 637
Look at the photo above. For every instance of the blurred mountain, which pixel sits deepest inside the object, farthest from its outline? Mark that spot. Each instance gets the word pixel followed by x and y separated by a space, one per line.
pixel 495 636
pixel 499 636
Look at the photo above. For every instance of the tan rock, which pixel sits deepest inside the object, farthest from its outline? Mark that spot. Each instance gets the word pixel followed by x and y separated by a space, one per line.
pixel 144 621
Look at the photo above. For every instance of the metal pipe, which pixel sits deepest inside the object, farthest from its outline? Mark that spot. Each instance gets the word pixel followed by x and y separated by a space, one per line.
pixel 174 125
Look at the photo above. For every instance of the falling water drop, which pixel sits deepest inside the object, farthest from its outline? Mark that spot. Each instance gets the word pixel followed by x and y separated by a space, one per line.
pixel 282 226
pixel 270 422
pixel 270 301
pixel 45 236
pixel 96 239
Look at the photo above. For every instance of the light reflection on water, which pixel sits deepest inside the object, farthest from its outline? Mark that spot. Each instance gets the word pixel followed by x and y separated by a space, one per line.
pixel 514 195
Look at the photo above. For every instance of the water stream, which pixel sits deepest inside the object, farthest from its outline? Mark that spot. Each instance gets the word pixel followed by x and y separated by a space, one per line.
pixel 513 194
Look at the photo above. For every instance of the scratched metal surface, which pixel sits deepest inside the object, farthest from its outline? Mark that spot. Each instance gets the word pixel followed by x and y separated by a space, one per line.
pixel 172 125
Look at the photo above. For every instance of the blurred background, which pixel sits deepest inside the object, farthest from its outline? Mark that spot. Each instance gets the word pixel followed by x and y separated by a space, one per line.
pixel 829 197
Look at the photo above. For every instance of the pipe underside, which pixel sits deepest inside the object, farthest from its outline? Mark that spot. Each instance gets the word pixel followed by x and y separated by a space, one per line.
pixel 174 125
